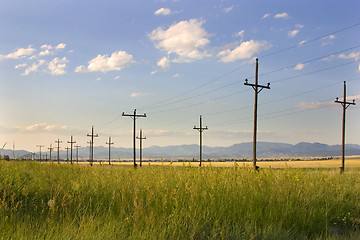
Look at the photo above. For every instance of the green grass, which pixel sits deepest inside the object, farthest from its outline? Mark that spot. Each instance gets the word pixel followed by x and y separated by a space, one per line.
pixel 51 201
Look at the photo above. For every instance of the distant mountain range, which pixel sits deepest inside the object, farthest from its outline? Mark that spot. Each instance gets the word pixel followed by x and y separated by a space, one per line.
pixel 242 150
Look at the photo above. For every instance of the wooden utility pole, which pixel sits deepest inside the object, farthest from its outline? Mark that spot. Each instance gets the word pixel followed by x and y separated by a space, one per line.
pixel 40 146
pixel 134 116
pixel 257 88
pixel 67 154
pixel 71 148
pixel 109 143
pixel 58 150
pixel 141 138
pixel 200 129
pixel 77 153
pixel 50 148
pixel 345 105
pixel 92 135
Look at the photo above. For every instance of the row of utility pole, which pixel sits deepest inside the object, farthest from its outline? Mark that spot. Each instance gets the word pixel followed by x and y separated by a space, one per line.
pixel 257 89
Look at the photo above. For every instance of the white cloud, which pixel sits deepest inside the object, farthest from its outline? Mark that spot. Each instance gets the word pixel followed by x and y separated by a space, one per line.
pixel 117 77
pixel 228 9
pixel 103 63
pixel 139 94
pixel 98 79
pixel 153 72
pixel 353 55
pixel 61 46
pixel 299 66
pixel 240 34
pixel 34 67
pixel 282 15
pixel 329 58
pixel 163 63
pixel 185 39
pixel 315 105
pixel 302 42
pixel 44 127
pixel 293 33
pixel 162 11
pixel 266 15
pixel 57 66
pixel 176 75
pixel 299 26
pixel 243 51
pixel 20 65
pixel 19 53
pixel 47 47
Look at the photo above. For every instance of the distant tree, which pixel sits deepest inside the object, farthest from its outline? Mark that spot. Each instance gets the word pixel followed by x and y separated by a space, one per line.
pixel 6 157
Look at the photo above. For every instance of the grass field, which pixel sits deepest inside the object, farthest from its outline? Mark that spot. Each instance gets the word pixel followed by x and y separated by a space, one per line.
pixel 51 201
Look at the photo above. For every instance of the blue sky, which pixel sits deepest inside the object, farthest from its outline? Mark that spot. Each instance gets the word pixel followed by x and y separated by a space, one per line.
pixel 68 65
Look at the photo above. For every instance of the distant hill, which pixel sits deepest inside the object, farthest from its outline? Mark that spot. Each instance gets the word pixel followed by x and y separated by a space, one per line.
pixel 242 150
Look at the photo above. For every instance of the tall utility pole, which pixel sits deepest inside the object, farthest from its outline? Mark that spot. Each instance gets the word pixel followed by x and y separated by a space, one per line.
pixel 200 129
pixel 141 138
pixel 257 88
pixel 58 150
pixel 109 143
pixel 71 148
pixel 50 148
pixel 67 154
pixel 92 135
pixel 345 105
pixel 40 146
pixel 77 153
pixel 134 117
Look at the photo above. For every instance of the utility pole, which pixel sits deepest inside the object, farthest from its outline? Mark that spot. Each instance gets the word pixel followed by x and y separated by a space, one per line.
pixel 257 88
pixel 200 129
pixel 345 105
pixel 92 135
pixel 58 148
pixel 40 146
pixel 141 138
pixel 109 143
pixel 71 148
pixel 67 154
pixel 134 117
pixel 77 153
pixel 50 148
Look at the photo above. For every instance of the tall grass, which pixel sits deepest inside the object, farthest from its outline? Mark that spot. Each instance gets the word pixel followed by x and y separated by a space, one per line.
pixel 50 201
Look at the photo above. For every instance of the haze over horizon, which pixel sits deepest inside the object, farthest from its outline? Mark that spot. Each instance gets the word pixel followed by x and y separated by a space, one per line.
pixel 66 66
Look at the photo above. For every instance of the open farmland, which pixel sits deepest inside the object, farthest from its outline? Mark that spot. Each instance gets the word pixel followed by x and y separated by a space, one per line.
pixel 66 201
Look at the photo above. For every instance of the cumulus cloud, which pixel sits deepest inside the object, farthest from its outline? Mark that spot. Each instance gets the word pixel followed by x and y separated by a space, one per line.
pixel 19 53
pixel 140 94
pixel 184 39
pixel 244 51
pixel 44 127
pixel 293 33
pixel 302 42
pixel 299 66
pixel 104 63
pixel 353 55
pixel 57 66
pixel 228 9
pixel 163 63
pixel 283 15
pixel 240 34
pixel 22 65
pixel 34 67
pixel 48 49
pixel 266 15
pixel 162 11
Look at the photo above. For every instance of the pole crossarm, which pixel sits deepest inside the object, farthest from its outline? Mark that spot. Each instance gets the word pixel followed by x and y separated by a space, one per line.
pixel 134 116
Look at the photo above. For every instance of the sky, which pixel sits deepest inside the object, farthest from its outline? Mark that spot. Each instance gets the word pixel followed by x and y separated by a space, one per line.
pixel 66 66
